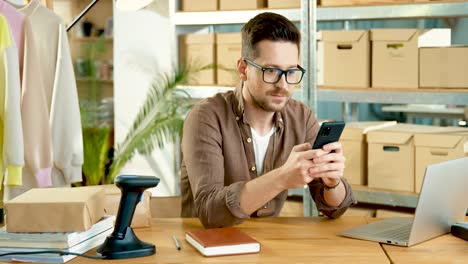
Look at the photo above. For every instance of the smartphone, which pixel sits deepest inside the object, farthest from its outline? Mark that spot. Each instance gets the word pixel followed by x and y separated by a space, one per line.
pixel 329 132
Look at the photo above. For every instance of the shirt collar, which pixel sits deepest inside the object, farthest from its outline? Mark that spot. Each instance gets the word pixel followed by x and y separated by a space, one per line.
pixel 239 110
pixel 29 8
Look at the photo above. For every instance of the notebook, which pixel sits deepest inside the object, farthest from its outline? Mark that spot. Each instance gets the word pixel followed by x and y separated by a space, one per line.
pixel 222 241
pixel 442 202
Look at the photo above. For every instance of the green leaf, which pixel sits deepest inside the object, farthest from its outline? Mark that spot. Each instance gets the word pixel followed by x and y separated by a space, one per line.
pixel 160 120
pixel 95 146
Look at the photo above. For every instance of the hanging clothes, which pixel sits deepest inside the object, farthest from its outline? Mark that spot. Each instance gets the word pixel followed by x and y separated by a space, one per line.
pixel 53 135
pixel 15 21
pixel 11 131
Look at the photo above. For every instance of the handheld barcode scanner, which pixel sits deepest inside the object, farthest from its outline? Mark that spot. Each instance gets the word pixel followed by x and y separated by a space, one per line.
pixel 123 243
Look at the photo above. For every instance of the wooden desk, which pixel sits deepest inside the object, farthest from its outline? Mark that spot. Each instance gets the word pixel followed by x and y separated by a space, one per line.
pixel 294 240
pixel 443 249
pixel 283 240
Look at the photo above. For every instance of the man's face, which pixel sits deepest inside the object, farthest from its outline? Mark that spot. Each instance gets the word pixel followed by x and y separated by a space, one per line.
pixel 271 97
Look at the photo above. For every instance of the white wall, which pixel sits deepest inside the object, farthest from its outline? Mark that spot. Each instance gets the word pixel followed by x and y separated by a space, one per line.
pixel 142 48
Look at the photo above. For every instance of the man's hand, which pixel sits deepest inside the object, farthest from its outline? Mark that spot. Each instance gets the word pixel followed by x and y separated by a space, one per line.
pixel 297 169
pixel 329 166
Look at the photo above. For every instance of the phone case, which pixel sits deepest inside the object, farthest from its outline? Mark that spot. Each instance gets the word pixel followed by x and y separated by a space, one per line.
pixel 329 132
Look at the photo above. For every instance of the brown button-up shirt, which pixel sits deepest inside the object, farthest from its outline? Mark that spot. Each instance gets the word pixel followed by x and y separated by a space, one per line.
pixel 218 159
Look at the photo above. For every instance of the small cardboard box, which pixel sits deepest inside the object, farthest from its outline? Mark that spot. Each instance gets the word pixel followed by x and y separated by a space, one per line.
pixel 55 210
pixel 228 51
pixel 199 5
pixel 142 215
pixel 443 67
pixel 343 58
pixel 435 148
pixel 353 140
pixel 198 51
pixel 391 156
pixel 395 54
pixel 277 4
pixel 241 4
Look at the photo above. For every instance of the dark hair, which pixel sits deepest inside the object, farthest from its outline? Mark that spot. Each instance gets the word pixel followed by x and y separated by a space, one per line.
pixel 267 26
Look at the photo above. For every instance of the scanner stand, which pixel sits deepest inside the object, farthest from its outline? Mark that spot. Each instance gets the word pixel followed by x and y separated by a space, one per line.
pixel 123 243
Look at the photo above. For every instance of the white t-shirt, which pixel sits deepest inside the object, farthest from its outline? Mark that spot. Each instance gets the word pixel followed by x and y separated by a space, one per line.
pixel 260 144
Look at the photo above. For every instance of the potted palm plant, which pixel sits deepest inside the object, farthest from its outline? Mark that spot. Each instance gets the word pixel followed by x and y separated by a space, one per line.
pixel 159 120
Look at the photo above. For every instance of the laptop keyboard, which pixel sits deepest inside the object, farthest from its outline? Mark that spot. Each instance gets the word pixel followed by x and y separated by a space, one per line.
pixel 400 232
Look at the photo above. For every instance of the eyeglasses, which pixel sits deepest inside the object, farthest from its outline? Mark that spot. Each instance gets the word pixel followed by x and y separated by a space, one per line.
pixel 273 75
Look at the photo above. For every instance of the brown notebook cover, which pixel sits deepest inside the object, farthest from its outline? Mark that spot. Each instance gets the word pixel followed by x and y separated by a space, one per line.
pixel 222 241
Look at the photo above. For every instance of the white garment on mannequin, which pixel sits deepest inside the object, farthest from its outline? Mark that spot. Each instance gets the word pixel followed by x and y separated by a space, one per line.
pixel 260 144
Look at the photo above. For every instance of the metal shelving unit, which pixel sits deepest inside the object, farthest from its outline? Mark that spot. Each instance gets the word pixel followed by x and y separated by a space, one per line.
pixel 403 11
pixel 400 11
pixel 386 96
pixel 373 95
pixel 310 11
pixel 309 15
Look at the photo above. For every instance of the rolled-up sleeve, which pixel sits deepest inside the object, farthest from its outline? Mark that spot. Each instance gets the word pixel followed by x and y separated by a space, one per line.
pixel 316 191
pixel 215 204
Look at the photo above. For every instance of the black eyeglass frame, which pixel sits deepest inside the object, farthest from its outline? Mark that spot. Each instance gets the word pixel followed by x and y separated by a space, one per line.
pixel 283 72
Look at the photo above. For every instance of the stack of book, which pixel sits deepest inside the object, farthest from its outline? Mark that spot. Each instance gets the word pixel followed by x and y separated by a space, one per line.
pixel 76 242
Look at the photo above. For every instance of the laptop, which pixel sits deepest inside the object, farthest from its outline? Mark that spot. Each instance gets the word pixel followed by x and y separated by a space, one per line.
pixel 443 201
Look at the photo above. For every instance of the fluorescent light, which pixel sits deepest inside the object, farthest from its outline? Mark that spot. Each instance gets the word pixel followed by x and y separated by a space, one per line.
pixel 132 5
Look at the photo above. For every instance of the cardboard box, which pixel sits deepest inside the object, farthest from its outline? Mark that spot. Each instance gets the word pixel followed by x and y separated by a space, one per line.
pixel 395 54
pixel 199 5
pixel 198 51
pixel 391 156
pixel 166 206
pixel 354 144
pixel 228 51
pixel 277 4
pixel 343 58
pixel 55 210
pixel 142 215
pixel 435 148
pixel 443 67
pixel 362 2
pixel 241 4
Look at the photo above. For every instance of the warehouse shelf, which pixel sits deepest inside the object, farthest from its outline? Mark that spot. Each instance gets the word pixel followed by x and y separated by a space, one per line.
pixel 392 96
pixel 401 11
pixel 368 195
pixel 406 11
pixel 229 17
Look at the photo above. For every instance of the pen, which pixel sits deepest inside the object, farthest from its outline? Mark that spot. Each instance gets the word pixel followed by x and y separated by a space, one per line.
pixel 176 242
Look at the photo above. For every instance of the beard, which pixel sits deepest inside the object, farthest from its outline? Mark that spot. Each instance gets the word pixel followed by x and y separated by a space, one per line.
pixel 267 105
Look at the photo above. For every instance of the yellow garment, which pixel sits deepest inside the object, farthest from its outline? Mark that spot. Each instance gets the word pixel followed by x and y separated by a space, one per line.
pixel 5 39
pixel 7 114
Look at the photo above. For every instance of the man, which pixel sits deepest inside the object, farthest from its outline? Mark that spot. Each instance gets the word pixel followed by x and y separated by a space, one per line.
pixel 242 150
